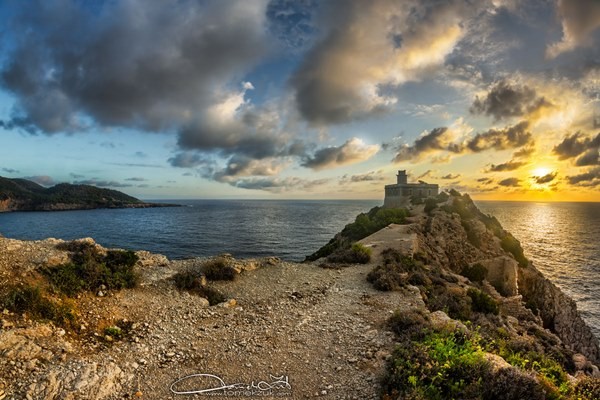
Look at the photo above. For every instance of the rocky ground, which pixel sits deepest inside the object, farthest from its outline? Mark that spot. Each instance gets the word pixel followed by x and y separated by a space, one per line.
pixel 323 329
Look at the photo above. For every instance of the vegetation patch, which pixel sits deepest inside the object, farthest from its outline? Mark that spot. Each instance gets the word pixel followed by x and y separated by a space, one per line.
pixel 588 389
pixel 193 282
pixel 364 225
pixel 91 269
pixel 439 366
pixel 449 298
pixel 356 254
pixel 512 245
pixel 475 272
pixel 430 205
pixel 38 305
pixel 409 324
pixel 481 302
pixel 218 269
pixel 395 271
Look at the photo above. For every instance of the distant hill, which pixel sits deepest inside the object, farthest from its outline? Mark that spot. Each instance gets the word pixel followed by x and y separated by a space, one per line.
pixel 24 195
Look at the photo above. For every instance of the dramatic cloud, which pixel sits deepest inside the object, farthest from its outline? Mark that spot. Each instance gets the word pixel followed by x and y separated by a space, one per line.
pixel 437 139
pixel 579 19
pixel 43 180
pixel 507 166
pixel 442 139
pixel 505 100
pixel 372 176
pixel 278 184
pixel 352 151
pixel 113 66
pixel 243 166
pixel 510 182
pixel 372 44
pixel 579 144
pixel 540 180
pixel 590 178
pixel 501 139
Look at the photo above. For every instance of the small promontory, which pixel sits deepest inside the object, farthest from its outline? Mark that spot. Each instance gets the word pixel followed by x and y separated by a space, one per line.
pixel 25 195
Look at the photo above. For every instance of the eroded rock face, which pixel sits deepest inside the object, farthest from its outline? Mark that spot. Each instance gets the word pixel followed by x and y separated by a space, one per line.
pixel 443 240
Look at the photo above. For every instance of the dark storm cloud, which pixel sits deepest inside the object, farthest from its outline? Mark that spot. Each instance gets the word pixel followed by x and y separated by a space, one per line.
pixel 440 139
pixel 581 145
pixel 43 180
pixel 545 178
pixel 501 139
pixel 510 182
pixel 137 64
pixel 505 100
pixel 590 178
pixel 436 139
pixel 507 166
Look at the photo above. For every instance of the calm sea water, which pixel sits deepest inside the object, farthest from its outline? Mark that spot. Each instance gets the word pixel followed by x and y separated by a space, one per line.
pixel 562 239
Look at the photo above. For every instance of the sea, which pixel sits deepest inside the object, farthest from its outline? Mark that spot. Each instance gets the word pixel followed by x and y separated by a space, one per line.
pixel 562 239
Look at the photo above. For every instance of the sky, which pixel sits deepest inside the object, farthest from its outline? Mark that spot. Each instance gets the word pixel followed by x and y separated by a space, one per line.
pixel 306 99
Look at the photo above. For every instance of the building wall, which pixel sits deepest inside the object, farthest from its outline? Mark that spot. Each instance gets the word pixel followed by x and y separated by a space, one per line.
pixel 399 195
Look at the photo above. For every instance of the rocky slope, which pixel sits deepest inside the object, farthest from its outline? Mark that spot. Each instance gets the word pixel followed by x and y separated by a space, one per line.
pixel 293 330
pixel 24 195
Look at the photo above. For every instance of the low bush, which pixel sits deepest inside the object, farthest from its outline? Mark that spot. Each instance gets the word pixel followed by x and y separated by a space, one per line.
pixel 430 205
pixel 450 299
pixel 356 254
pixel 394 273
pixel 588 389
pixel 475 272
pixel 512 245
pixel 512 384
pixel 409 324
pixel 439 366
pixel 481 302
pixel 193 282
pixel 91 269
pixel 38 305
pixel 218 269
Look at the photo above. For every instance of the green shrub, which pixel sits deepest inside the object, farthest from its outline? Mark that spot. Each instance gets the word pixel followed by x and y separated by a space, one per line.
pixel 588 388
pixel 89 269
pixel 442 197
pixel 430 205
pixel 357 254
pixel 512 245
pixel 472 235
pixel 409 323
pixel 114 332
pixel 363 226
pixel 451 300
pixel 439 366
pixel 218 269
pixel 191 281
pixel 512 384
pixel 481 302
pixel 475 272
pixel 33 301
pixel 393 273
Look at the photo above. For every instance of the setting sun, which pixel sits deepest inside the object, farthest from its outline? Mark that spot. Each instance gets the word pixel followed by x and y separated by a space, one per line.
pixel 541 171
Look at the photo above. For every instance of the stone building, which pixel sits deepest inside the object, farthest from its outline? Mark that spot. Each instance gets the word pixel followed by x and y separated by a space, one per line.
pixel 399 194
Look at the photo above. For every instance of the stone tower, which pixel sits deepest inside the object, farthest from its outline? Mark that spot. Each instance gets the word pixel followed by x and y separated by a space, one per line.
pixel 402 178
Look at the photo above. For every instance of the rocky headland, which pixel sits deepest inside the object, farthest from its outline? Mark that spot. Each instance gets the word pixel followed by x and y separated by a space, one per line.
pixel 440 302
pixel 25 195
